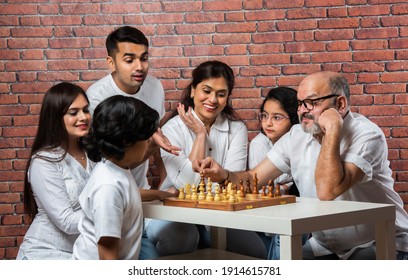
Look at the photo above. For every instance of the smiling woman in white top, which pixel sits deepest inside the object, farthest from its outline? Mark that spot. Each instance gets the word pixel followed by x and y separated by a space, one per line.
pixel 57 172
pixel 204 125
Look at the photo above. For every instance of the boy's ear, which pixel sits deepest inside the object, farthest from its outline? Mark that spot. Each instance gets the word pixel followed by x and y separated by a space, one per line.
pixel 111 63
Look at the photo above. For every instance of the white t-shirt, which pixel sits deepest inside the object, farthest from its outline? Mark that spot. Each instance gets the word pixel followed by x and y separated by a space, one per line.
pixel 112 207
pixel 258 148
pixel 151 92
pixel 56 187
pixel 227 143
pixel 363 144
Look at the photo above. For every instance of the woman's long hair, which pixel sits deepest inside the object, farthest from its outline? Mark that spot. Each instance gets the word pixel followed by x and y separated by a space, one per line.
pixel 51 132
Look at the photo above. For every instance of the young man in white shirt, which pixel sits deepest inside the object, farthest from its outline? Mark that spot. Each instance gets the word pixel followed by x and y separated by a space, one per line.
pixel 128 59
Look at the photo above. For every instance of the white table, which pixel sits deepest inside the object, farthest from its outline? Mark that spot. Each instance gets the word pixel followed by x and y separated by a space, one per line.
pixel 290 221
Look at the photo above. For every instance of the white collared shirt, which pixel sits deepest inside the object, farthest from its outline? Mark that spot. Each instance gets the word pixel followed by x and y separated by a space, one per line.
pixel 363 144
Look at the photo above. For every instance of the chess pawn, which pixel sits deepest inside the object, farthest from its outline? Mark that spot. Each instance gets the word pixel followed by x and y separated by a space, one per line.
pixel 248 186
pixel 277 190
pixel 194 192
pixel 263 191
pixel 231 197
pixel 270 191
pixel 224 194
pixel 242 191
pixel 181 193
pixel 217 196
pixel 255 188
pixel 240 197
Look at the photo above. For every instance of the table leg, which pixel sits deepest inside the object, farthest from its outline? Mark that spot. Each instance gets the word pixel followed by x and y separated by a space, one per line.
pixel 291 247
pixel 385 240
pixel 218 238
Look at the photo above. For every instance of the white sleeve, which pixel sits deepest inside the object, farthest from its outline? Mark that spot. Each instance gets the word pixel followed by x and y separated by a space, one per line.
pixel 237 154
pixel 50 193
pixel 107 206
pixel 179 168
pixel 257 153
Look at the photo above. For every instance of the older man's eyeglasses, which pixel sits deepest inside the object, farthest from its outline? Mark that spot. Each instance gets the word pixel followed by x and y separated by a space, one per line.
pixel 310 103
pixel 276 118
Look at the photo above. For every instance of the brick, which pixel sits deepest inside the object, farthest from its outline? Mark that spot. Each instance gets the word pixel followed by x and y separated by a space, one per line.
pixel 370 22
pixel 26 65
pixel 9 54
pixel 93 75
pixel 337 12
pixel 305 47
pixel 300 69
pixel 380 110
pixel 290 81
pixel 328 35
pixel 8 77
pixel 368 78
pixel 265 48
pixel 9 197
pixel 265 15
pixel 32 54
pixel 376 10
pixel 169 62
pixel 376 33
pixel 70 43
pixel 236 27
pixel 12 230
pixel 80 9
pixel 163 18
pixel 40 87
pixel 385 88
pixel 63 31
pixel 338 46
pixel 171 41
pixel 273 37
pixel 317 3
pixel 399 132
pixel 394 21
pixel 33 43
pixel 394 77
pixel 373 55
pixel 399 9
pixel 369 44
pixel 68 65
pixel 306 13
pixel 10 220
pixel 270 59
pixel 17 132
pixel 331 57
pixel 265 82
pixel 236 49
pixel 195 28
pixel 176 6
pixel 30 21
pixel 8 20
pixel 203 50
pixel 120 8
pixel 363 66
pixel 5 209
pixel 91 31
pixel 58 76
pixel 16 9
pixel 32 32
pixel 61 20
pixel 49 9
pixel 226 39
pixel 70 53
pixel 221 5
pixel 280 4
pixel 339 23
pixel 204 17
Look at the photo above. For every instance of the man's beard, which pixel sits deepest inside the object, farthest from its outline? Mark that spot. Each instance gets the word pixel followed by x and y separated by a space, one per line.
pixel 314 129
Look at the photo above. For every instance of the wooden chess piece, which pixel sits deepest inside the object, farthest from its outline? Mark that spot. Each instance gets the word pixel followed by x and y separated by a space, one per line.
pixel 181 193
pixel 194 192
pixel 255 187
pixel 217 196
pixel 231 197
pixel 277 191
pixel 263 191
pixel 270 191
pixel 248 186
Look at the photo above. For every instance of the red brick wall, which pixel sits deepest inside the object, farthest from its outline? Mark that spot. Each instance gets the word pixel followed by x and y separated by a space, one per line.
pixel 268 43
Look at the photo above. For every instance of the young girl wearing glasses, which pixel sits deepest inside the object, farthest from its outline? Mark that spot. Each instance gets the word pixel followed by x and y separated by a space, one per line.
pixel 278 113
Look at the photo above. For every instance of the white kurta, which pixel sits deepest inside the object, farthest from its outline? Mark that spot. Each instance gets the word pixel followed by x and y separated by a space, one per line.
pixel 151 92
pixel 112 207
pixel 56 187
pixel 227 143
pixel 363 144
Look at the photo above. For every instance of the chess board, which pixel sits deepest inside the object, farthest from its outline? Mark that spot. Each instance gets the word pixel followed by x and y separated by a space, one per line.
pixel 249 202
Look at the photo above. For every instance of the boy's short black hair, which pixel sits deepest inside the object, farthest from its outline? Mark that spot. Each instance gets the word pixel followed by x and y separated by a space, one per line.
pixel 119 122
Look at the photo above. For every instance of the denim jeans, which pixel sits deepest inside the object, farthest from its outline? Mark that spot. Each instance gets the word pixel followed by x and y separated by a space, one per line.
pixel 274 246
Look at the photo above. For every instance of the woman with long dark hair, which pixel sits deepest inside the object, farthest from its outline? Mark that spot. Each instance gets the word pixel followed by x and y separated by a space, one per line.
pixel 56 173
